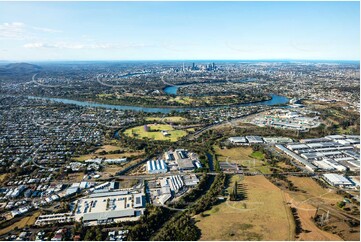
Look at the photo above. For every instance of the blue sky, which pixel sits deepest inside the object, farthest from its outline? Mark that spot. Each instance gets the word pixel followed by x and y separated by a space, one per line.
pixel 179 30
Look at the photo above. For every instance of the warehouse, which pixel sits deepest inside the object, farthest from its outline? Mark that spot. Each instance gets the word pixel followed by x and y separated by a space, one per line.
pixel 254 139
pixel 156 166
pixel 238 140
pixel 108 207
pixel 326 153
pixel 307 164
pixel 337 180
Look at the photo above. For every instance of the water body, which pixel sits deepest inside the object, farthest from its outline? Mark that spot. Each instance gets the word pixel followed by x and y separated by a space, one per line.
pixel 210 161
pixel 171 90
pixel 276 100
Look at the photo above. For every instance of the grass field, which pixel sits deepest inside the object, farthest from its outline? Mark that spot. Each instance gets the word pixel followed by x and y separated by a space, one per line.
pixel 263 215
pixel 29 220
pixel 173 119
pixel 155 132
pixel 108 148
pixel 243 156
pixel 306 204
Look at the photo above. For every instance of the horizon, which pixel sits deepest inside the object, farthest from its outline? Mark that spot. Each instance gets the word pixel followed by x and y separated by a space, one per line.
pixel 185 60
pixel 179 31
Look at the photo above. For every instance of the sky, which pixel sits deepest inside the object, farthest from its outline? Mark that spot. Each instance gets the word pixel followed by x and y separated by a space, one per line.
pixel 44 31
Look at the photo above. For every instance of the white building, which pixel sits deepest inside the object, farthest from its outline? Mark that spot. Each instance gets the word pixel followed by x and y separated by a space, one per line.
pixel 238 140
pixel 337 180
pixel 156 166
pixel 108 207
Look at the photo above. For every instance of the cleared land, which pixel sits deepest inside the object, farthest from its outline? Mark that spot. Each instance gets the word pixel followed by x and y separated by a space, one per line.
pixel 306 204
pixel 262 215
pixel 154 132
pixel 29 220
pixel 253 161
pixel 109 148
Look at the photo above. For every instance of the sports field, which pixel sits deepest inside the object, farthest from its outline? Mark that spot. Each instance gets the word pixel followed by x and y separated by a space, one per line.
pixel 262 215
pixel 154 132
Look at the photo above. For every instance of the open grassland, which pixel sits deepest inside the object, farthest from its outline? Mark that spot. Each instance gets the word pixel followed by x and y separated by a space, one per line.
pixel 155 132
pixel 253 161
pixel 173 119
pixel 26 221
pixel 125 153
pixel 314 190
pixel 306 204
pixel 262 215
pixel 108 148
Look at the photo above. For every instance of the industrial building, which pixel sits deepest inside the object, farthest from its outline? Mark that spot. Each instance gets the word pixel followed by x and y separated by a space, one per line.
pixel 238 140
pixel 55 218
pixel 328 153
pixel 182 160
pixel 248 140
pixel 254 139
pixel 108 207
pixel 156 166
pixel 337 180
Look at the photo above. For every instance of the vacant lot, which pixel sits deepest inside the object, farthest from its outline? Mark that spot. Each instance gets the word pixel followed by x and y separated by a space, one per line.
pixel 29 220
pixel 243 156
pixel 155 132
pixel 262 215
pixel 314 192
pixel 108 148
pixel 306 204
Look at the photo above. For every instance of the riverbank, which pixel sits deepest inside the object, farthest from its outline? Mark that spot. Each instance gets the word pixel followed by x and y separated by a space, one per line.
pixel 275 100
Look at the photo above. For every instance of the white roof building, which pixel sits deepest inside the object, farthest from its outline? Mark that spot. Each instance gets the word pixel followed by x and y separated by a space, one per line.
pixel 337 180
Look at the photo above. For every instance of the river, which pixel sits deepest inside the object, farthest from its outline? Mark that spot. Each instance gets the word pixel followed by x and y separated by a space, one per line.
pixel 276 100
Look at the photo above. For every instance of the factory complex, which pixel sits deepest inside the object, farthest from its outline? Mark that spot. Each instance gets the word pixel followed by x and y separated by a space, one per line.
pixel 332 153
pixel 177 160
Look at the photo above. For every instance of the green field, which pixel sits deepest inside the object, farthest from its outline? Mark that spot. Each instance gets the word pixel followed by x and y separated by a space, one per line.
pixel 257 155
pixel 154 132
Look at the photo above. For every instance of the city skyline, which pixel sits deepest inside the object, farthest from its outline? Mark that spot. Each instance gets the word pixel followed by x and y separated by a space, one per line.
pixel 179 31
